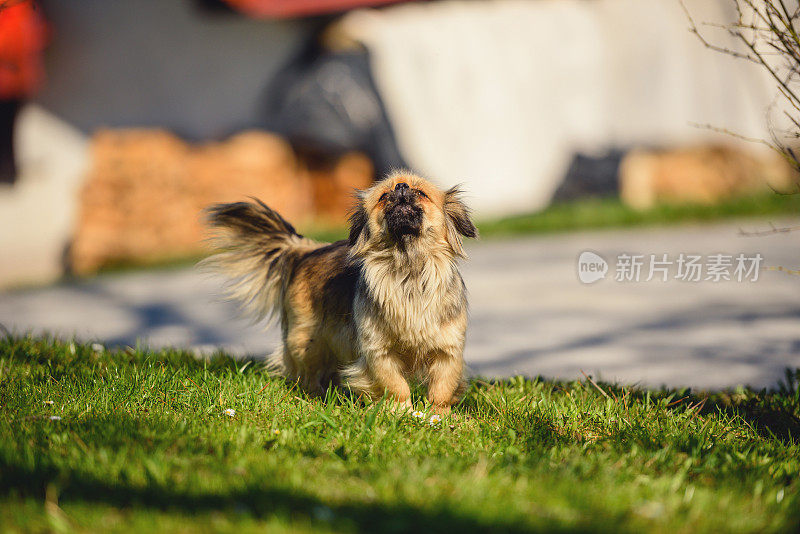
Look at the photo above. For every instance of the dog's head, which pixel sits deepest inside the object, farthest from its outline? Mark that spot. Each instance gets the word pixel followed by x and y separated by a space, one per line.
pixel 410 213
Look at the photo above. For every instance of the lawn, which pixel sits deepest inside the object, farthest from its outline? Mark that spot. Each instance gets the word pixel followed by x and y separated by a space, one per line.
pixel 596 213
pixel 135 441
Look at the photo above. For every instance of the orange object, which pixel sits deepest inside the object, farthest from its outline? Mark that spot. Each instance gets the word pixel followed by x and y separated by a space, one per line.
pixel 23 35
pixel 294 8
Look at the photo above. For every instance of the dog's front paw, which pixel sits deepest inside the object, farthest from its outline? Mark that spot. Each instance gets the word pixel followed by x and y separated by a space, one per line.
pixel 399 406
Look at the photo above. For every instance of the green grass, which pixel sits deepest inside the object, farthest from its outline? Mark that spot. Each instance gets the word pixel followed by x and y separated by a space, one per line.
pixel 612 213
pixel 143 444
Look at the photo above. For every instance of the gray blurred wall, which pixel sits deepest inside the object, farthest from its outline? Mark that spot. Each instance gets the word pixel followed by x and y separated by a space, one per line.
pixel 167 63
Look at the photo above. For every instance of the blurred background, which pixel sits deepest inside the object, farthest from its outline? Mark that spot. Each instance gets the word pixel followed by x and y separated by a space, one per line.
pixel 121 121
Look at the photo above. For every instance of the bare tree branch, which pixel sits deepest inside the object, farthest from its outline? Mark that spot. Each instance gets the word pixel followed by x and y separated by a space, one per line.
pixel 772 231
pixel 767 31
pixel 784 270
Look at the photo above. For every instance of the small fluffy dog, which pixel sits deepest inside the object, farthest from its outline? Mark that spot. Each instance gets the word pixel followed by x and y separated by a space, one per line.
pixel 370 311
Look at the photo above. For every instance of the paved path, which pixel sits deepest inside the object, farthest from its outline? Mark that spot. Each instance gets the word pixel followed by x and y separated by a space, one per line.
pixel 529 312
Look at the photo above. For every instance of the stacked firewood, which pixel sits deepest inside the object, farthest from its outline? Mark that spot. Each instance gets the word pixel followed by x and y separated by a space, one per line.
pixel 701 175
pixel 146 191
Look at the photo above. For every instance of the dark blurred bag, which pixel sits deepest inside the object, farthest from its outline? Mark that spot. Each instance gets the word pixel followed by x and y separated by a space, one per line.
pixel 326 105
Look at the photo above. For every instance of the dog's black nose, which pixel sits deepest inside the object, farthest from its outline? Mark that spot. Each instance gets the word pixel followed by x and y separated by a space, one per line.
pixel 401 186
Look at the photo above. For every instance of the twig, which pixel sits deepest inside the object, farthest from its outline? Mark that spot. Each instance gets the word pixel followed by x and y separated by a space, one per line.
pixel 696 408
pixel 673 403
pixel 193 382
pixel 764 31
pixel 696 32
pixel 732 134
pixel 287 393
pixel 784 270
pixel 773 230
pixel 592 382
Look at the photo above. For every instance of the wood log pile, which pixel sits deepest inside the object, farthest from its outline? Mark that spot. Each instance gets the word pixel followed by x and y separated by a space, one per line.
pixel 144 197
pixel 700 175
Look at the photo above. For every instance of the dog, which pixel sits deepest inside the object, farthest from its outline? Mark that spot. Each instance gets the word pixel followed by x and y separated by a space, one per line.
pixel 368 312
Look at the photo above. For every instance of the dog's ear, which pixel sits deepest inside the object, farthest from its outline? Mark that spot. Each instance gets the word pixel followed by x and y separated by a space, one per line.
pixel 459 222
pixel 458 213
pixel 359 232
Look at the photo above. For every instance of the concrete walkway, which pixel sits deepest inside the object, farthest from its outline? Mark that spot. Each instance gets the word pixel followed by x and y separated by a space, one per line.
pixel 530 314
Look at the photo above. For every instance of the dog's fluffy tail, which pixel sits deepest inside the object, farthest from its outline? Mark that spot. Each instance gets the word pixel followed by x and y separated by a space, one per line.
pixel 257 249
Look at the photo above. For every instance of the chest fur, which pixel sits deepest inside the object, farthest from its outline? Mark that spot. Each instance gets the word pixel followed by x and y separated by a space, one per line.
pixel 413 306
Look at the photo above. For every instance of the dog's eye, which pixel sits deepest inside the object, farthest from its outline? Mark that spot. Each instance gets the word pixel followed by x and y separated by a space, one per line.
pixel 383 197
pixel 420 193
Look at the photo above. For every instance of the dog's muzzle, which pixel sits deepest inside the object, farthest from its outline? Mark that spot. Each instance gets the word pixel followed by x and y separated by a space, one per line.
pixel 403 215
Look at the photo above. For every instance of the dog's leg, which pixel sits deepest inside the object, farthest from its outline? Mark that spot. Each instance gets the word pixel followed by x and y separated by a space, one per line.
pixel 388 374
pixel 445 379
pixel 278 364
pixel 376 375
pixel 302 356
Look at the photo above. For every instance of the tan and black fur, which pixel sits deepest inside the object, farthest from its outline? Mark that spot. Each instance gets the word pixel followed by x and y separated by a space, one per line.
pixel 371 311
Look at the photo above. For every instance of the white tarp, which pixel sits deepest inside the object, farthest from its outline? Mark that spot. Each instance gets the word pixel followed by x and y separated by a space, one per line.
pixel 39 212
pixel 499 95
